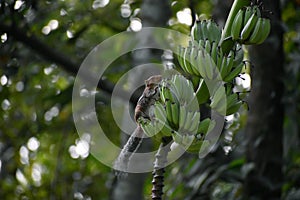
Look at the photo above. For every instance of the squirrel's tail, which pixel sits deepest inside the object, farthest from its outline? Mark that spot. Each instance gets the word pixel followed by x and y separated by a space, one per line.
pixel 122 162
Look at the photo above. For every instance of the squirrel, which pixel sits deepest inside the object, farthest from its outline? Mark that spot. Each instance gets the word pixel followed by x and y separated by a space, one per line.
pixel 148 98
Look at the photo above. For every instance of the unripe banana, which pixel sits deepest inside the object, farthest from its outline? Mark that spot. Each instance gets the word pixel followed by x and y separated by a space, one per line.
pixel 266 28
pixel 230 60
pixel 205 33
pixel 177 137
pixel 187 63
pixel 176 86
pixel 249 27
pixel 214 32
pixel 234 108
pixel 148 129
pixel 223 70
pixel 204 126
pixel 195 123
pixel 167 95
pixel 237 24
pixel 182 117
pixel 165 129
pixel 159 112
pixel 207 46
pixel 187 140
pixel 169 112
pixel 202 44
pixel 232 99
pixel 257 32
pixel 255 9
pixel 175 114
pixel 220 58
pixel 233 74
pixel 193 60
pixel 217 97
pixel 188 120
pixel 194 31
pixel 180 57
pixel 208 66
pixel 201 63
pixel 162 93
pixel 214 52
pixel 247 15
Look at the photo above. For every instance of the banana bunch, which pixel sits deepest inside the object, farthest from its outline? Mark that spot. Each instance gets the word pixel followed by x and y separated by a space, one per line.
pixel 206 30
pixel 195 59
pixel 225 101
pixel 249 27
pixel 228 66
pixel 181 104
pixel 206 60
pixel 177 114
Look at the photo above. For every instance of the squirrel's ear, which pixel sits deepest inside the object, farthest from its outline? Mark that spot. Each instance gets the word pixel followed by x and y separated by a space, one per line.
pixel 147 82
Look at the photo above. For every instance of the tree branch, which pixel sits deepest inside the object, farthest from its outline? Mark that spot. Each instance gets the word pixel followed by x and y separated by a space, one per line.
pixel 48 53
pixel 159 169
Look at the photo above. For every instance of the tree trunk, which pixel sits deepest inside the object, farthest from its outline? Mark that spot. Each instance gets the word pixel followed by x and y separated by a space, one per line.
pixel 264 129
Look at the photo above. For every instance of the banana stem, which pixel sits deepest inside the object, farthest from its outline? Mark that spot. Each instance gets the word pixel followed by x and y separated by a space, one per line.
pixel 159 168
pixel 226 43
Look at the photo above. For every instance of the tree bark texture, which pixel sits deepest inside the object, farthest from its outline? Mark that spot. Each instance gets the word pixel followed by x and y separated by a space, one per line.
pixel 264 129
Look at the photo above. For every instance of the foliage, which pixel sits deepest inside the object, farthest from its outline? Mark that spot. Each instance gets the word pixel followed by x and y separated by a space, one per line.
pixel 40 155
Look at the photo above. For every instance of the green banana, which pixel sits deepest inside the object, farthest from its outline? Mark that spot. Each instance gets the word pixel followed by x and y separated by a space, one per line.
pixel 148 129
pixel 230 61
pixel 176 86
pixel 257 32
pixel 234 73
pixel 202 44
pixel 266 24
pixel 162 93
pixel 220 59
pixel 195 123
pixel 177 137
pixel 205 33
pixel 182 117
pixel 249 27
pixel 187 63
pixel 169 112
pixel 214 32
pixel 175 114
pixel 214 52
pixel 196 31
pixel 203 126
pixel 187 140
pixel 232 99
pixel 166 94
pixel 223 70
pixel 180 57
pixel 247 15
pixel 165 129
pixel 255 9
pixel 202 93
pixel 201 63
pixel 217 97
pixel 207 46
pixel 234 108
pixel 193 60
pixel 188 120
pixel 208 66
pixel 159 112
pixel 237 24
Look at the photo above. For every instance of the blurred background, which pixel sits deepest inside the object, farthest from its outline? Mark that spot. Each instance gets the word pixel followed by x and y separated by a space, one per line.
pixel 41 155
